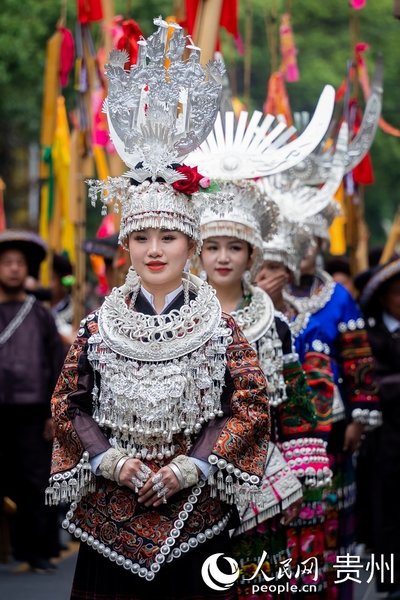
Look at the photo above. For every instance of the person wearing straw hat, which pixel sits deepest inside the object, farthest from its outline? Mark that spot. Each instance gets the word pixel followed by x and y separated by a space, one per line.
pixel 30 361
pixel 380 455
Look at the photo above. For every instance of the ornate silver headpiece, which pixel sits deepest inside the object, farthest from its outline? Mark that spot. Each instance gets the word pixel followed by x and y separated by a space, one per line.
pixel 157 114
pixel 259 148
pixel 288 245
pixel 311 207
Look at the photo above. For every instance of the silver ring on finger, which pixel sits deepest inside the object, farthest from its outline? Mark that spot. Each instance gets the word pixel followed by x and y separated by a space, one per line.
pixel 164 500
pixel 162 493
pixel 137 482
pixel 145 470
pixel 157 478
pixel 140 475
pixel 157 487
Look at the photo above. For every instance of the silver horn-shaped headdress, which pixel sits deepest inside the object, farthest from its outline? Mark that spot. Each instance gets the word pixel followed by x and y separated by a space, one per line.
pixel 315 169
pixel 237 152
pixel 241 150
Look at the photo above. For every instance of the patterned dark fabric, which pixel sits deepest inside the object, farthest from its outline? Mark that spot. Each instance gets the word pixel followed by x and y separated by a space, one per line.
pixel 378 466
pixel 111 514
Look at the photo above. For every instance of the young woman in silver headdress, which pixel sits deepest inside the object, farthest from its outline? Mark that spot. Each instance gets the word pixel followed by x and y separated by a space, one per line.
pixel 325 316
pixel 162 418
pixel 281 265
pixel 232 250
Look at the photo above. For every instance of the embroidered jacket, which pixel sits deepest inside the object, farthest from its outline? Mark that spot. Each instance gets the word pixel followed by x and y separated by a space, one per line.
pixel 296 456
pixel 342 335
pixel 107 516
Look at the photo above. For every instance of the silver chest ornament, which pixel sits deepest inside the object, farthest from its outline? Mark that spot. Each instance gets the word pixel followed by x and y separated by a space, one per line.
pixel 258 325
pixel 159 374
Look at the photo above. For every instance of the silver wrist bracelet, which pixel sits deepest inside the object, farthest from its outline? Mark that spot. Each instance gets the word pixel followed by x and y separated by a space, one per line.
pixel 118 467
pixel 109 462
pixel 175 469
pixel 187 469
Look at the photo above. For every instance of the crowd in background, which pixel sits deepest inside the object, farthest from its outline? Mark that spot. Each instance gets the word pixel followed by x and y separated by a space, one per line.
pixel 31 358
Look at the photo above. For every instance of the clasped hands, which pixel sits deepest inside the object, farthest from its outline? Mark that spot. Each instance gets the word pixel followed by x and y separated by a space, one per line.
pixel 153 489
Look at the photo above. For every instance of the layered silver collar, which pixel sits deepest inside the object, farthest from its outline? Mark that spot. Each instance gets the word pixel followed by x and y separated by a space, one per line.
pixel 256 319
pixel 316 301
pixel 159 337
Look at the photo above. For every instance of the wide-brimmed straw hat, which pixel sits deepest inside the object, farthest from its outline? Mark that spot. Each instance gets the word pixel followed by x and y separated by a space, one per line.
pixel 29 243
pixel 379 277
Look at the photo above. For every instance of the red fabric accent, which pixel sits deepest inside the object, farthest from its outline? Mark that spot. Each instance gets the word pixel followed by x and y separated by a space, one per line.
pixel 229 17
pixel 131 35
pixel 89 11
pixel 228 20
pixel 67 55
pixel 340 92
pixel 363 173
pixel 191 7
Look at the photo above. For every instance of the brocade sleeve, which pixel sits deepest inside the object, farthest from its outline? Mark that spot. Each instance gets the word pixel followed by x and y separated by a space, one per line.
pixel 357 366
pixel 77 435
pixel 240 452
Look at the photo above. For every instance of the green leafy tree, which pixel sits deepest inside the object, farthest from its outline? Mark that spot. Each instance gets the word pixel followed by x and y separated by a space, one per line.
pixel 324 32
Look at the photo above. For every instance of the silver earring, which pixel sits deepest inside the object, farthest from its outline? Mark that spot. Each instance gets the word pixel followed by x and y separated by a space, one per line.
pixel 186 297
pixel 131 285
pixel 247 278
pixel 203 275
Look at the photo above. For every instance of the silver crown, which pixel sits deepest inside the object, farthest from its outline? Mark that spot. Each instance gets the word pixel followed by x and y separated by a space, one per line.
pixel 158 112
pixel 288 245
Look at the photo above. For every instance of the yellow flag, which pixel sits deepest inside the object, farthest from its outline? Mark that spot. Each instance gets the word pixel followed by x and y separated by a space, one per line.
pixel 62 237
pixel 337 229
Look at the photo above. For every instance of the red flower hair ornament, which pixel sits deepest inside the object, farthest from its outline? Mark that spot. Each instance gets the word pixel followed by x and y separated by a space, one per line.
pixel 193 181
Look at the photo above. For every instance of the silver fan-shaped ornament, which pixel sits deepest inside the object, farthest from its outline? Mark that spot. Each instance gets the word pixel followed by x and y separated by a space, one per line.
pixel 240 150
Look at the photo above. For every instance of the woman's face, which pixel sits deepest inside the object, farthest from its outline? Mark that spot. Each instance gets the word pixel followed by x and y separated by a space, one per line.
pixel 273 268
pixel 225 259
pixel 159 256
